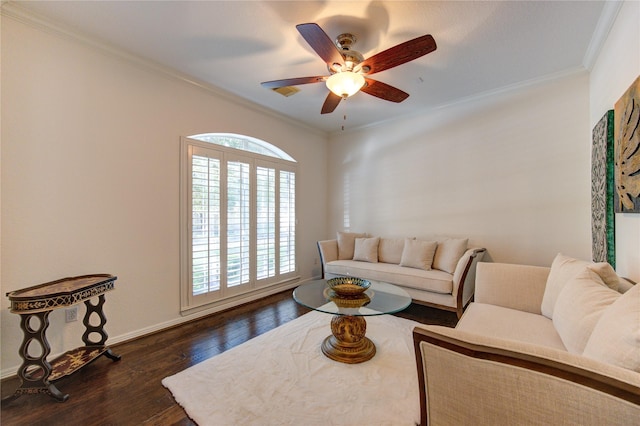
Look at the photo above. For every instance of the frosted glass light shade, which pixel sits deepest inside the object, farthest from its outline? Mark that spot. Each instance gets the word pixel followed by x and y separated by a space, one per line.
pixel 345 83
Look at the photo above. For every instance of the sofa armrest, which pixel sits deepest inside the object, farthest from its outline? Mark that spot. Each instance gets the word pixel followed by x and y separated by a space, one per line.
pixel 328 250
pixel 511 286
pixel 464 277
pixel 466 378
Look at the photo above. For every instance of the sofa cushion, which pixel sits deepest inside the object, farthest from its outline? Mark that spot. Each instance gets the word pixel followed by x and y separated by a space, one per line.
pixel 390 250
pixel 579 306
pixel 448 253
pixel 366 249
pixel 418 254
pixel 616 337
pixel 510 324
pixel 347 244
pixel 608 275
pixel 562 270
pixel 433 280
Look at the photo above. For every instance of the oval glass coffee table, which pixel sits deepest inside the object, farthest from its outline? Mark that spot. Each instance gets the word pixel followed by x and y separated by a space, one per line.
pixel 348 342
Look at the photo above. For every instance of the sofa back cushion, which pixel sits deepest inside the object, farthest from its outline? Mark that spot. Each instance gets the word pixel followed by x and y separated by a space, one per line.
pixel 579 306
pixel 565 268
pixel 616 337
pixel 390 250
pixel 418 254
pixel 608 275
pixel 448 253
pixel 366 250
pixel 347 244
pixel 562 270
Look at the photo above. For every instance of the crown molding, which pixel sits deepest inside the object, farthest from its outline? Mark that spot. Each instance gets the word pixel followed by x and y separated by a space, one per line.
pixel 605 23
pixel 12 10
pixel 478 100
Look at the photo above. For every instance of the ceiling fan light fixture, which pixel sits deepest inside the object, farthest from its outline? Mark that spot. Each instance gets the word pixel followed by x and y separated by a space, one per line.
pixel 345 83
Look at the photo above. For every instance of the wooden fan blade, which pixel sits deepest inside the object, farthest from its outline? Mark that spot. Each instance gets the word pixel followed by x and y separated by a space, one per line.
pixel 383 91
pixel 292 82
pixel 330 103
pixel 321 43
pixel 399 54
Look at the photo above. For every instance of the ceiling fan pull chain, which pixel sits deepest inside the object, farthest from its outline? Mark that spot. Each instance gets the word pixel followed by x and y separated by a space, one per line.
pixel 344 118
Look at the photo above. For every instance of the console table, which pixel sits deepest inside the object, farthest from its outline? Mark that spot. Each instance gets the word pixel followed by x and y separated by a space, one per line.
pixel 34 304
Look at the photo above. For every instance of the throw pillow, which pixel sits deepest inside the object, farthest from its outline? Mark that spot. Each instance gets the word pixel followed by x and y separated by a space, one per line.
pixel 418 254
pixel 449 253
pixel 366 250
pixel 607 274
pixel 580 305
pixel 390 250
pixel 563 269
pixel 347 244
pixel 616 337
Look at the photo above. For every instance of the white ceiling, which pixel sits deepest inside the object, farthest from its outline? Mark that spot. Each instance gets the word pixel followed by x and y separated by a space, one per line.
pixel 483 46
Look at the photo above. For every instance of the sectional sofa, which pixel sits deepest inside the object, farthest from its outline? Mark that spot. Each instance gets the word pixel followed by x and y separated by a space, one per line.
pixel 435 273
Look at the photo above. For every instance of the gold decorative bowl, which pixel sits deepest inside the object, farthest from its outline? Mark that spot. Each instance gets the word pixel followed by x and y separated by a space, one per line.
pixel 348 286
pixel 354 302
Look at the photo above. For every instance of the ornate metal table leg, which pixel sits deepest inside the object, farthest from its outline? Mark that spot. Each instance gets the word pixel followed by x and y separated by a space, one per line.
pixel 348 343
pixel 99 329
pixel 35 370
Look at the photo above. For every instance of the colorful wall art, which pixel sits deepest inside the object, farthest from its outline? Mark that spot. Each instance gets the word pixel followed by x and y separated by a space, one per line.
pixel 602 189
pixel 627 150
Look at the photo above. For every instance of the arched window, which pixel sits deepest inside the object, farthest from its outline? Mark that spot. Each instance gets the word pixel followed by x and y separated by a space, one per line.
pixel 244 143
pixel 238 217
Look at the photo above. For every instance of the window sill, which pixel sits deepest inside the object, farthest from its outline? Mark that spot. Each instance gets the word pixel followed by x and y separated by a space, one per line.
pixel 239 299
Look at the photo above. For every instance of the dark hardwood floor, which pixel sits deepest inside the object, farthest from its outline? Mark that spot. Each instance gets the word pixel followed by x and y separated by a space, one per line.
pixel 129 392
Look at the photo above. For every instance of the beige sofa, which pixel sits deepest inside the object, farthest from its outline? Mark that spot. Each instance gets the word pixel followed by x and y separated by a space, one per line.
pixel 435 273
pixel 538 345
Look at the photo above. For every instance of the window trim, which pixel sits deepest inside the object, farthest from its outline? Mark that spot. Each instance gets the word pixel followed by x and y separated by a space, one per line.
pixel 188 302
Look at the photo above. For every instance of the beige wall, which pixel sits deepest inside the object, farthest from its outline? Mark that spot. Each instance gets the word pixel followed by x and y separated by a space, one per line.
pixel 90 169
pixel 509 170
pixel 90 178
pixel 617 66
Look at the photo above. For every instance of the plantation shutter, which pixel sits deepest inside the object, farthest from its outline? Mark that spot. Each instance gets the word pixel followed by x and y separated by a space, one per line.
pixel 239 214
pixel 238 222
pixel 205 229
pixel 265 222
pixel 287 222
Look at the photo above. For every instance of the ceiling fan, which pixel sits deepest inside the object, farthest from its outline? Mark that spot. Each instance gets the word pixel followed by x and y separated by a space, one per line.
pixel 348 68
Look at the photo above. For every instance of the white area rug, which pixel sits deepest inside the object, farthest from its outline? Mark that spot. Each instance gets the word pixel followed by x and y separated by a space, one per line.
pixel 282 378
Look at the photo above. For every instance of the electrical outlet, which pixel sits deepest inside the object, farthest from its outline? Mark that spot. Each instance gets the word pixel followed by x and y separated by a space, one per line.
pixel 71 314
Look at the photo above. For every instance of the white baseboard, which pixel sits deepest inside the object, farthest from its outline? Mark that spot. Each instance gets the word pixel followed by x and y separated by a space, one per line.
pixel 221 306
